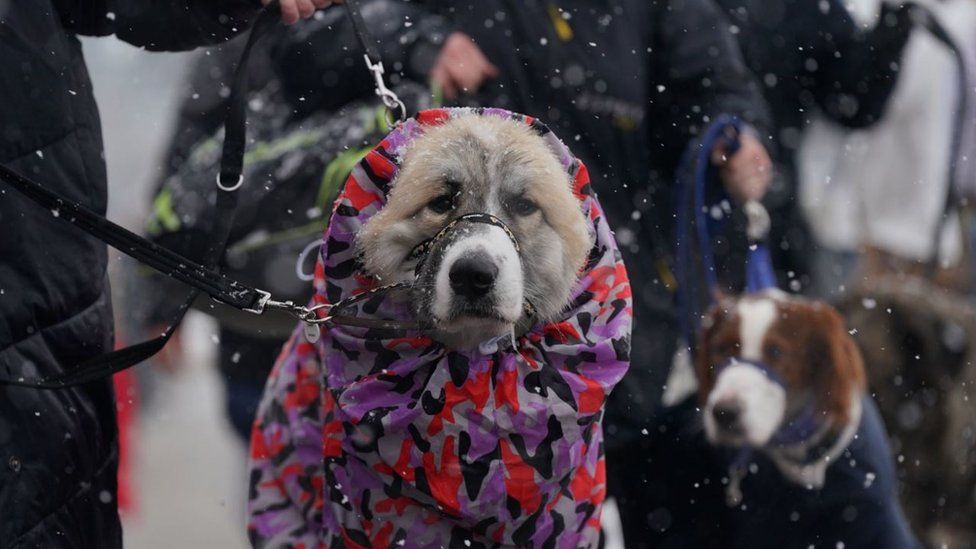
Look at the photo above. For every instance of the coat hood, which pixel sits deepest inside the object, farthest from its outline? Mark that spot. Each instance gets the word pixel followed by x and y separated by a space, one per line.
pixel 502 444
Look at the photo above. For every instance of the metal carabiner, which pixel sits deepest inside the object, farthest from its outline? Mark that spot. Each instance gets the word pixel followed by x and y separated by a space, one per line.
pixel 311 314
pixel 396 110
pixel 305 314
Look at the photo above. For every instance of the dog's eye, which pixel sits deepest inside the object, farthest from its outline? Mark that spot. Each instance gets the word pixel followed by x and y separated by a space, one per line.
pixel 442 204
pixel 523 206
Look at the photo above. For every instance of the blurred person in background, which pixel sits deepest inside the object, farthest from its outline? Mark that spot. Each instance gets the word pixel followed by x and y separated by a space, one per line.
pixel 810 57
pixel 885 187
pixel 813 60
pixel 891 210
pixel 58 448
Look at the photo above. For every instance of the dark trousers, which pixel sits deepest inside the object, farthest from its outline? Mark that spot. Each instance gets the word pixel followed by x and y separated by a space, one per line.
pixel 245 361
pixel 670 491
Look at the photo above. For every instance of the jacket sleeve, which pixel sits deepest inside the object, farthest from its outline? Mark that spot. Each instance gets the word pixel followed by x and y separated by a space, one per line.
pixel 699 73
pixel 324 52
pixel 176 25
pixel 856 71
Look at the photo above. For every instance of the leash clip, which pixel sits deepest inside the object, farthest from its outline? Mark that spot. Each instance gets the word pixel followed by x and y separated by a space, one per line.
pixel 305 314
pixel 396 110
pixel 263 300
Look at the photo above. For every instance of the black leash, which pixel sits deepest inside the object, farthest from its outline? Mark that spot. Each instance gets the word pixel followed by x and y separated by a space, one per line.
pixel 201 276
pixel 396 110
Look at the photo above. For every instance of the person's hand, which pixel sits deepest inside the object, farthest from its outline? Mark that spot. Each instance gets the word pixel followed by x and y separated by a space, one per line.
pixel 746 173
pixel 461 67
pixel 293 10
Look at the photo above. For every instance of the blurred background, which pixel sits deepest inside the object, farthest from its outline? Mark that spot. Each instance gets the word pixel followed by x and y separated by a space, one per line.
pixel 183 479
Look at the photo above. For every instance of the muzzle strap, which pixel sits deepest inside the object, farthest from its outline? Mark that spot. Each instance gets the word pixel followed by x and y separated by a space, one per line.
pixel 333 314
pixel 420 251
pixel 764 368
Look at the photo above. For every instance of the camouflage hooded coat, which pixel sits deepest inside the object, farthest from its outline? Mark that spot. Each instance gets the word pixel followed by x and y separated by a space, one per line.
pixel 367 442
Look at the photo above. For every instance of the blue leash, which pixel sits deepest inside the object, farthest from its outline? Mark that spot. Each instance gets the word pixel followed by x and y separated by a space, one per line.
pixel 759 268
pixel 725 130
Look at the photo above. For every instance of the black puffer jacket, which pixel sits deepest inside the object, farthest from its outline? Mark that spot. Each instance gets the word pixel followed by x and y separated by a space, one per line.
pixel 58 450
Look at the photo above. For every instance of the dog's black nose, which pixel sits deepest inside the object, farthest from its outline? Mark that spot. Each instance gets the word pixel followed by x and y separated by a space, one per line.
pixel 473 276
pixel 726 413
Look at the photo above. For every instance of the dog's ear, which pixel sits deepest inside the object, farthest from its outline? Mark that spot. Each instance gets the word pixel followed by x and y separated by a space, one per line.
pixel 716 316
pixel 839 368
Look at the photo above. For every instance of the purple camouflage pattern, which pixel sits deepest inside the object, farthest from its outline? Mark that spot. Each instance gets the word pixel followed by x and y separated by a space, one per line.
pixel 399 442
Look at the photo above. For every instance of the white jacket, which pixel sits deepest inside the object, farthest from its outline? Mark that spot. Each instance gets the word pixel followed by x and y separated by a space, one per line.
pixel 885 186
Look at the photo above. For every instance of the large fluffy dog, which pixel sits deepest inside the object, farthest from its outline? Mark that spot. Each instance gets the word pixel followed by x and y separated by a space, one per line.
pixel 483 430
pixel 473 284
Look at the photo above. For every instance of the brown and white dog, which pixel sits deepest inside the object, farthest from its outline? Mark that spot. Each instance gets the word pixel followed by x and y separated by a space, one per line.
pixel 781 375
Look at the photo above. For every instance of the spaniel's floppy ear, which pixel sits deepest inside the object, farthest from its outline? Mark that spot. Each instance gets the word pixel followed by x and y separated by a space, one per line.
pixel 717 314
pixel 843 368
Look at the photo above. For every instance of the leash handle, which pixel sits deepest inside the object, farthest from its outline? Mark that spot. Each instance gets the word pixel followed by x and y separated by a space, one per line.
pixel 724 131
pixel 696 160
pixel 230 177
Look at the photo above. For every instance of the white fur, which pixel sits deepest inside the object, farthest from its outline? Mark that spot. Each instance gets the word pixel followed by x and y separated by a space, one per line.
pixel 763 401
pixel 610 523
pixel 682 382
pixel 508 290
pixel 763 405
pixel 755 318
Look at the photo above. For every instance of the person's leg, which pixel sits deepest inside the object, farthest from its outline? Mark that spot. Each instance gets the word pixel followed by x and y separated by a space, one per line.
pixel 245 361
pixel 667 484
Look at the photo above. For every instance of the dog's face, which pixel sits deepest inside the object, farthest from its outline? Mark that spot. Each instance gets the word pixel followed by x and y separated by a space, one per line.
pixel 473 283
pixel 804 343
